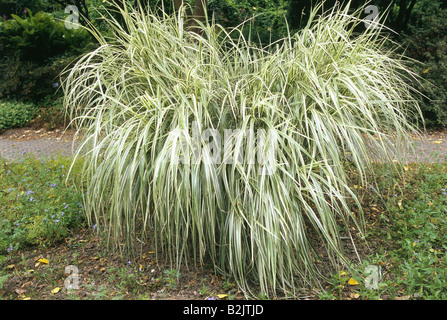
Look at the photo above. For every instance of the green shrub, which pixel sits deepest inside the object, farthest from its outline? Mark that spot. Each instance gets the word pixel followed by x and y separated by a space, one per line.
pixel 427 43
pixel 34 50
pixel 51 113
pixel 318 94
pixel 39 37
pixel 30 81
pixel 8 7
pixel 14 114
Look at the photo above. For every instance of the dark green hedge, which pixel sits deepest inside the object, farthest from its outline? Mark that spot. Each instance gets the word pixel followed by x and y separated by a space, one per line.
pixel 33 51
pixel 427 43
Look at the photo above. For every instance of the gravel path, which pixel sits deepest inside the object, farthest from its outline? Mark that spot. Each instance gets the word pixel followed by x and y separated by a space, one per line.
pixel 15 143
pixel 431 148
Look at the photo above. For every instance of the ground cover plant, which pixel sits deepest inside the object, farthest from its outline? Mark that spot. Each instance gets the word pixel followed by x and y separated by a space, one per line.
pixel 406 228
pixel 38 207
pixel 320 94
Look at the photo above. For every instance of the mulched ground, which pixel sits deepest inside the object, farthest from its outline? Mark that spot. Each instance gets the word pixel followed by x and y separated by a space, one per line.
pixel 107 275
pixel 104 275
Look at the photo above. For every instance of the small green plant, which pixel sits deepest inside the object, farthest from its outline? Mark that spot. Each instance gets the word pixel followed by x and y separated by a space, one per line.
pixel 204 290
pixel 228 285
pixel 171 278
pixel 3 278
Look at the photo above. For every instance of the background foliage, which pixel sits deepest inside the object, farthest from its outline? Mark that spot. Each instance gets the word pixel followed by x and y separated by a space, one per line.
pixel 426 42
pixel 34 50
pixel 36 47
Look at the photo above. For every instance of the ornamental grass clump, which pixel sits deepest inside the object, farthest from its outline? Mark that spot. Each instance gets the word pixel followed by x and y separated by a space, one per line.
pixel 213 147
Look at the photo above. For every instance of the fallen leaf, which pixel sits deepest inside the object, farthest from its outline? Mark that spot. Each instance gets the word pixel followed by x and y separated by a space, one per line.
pixel 55 290
pixel 46 261
pixel 399 203
pixel 352 282
pixel 20 292
pixel 221 296
pixel 438 141
pixel 10 266
pixel 26 298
